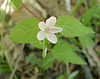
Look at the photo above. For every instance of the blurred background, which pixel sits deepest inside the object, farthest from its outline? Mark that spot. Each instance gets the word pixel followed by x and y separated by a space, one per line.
pixel 21 61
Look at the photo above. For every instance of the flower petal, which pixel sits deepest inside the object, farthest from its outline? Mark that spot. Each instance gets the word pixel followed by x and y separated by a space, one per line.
pixel 41 35
pixel 51 37
pixel 51 21
pixel 55 29
pixel 42 25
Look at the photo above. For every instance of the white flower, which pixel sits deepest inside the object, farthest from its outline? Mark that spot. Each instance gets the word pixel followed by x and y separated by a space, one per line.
pixel 48 29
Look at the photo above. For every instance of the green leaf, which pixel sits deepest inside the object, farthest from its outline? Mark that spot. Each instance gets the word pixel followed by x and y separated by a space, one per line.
pixel 99 52
pixel 66 52
pixel 73 74
pixel 77 5
pixel 60 77
pixel 97 13
pixel 3 65
pixel 86 5
pixel 72 27
pixel 2 60
pixel 25 31
pixel 17 3
pixel 37 44
pixel 89 14
pixel 33 60
pixel 5 70
pixel 47 61
pixel 74 40
pixel 93 2
pixel 86 41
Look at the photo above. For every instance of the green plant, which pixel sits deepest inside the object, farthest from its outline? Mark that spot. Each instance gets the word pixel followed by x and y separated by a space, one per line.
pixel 26 32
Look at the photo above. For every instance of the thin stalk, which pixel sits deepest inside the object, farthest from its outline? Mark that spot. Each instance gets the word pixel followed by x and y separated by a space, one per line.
pixel 32 12
pixel 43 54
pixel 77 5
pixel 86 5
pixel 3 21
pixel 6 56
pixel 54 8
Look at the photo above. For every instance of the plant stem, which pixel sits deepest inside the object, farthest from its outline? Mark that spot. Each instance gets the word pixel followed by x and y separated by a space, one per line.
pixel 7 58
pixel 43 54
pixel 55 7
pixel 32 12
pixel 3 21
pixel 86 5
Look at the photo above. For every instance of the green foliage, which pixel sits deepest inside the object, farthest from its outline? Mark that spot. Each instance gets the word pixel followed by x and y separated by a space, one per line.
pixel 66 52
pixel 17 3
pixel 4 67
pixel 97 13
pixel 5 70
pixel 93 2
pixel 60 77
pixel 89 14
pixel 37 44
pixel 72 27
pixel 86 5
pixel 99 52
pixel 47 61
pixel 75 41
pixel 25 31
pixel 0 17
pixel 87 40
pixel 79 2
pixel 33 60
pixel 72 75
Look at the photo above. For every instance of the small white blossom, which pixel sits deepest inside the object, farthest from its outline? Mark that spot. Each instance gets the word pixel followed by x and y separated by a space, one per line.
pixel 48 29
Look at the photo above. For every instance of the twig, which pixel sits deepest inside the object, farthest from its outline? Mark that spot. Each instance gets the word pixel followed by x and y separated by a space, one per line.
pixel 32 12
